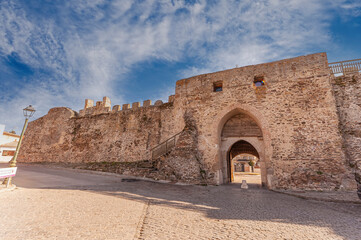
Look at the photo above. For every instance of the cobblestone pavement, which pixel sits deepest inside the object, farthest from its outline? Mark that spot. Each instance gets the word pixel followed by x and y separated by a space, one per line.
pixel 104 207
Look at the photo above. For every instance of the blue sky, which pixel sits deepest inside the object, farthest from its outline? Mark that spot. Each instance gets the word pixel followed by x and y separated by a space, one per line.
pixel 57 53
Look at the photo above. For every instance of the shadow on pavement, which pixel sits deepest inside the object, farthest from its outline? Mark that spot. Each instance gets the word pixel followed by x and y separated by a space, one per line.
pixel 217 202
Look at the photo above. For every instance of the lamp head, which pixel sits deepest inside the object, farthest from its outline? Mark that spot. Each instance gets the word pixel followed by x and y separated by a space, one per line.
pixel 28 111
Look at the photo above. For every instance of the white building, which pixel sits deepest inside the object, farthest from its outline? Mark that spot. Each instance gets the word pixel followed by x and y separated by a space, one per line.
pixel 8 144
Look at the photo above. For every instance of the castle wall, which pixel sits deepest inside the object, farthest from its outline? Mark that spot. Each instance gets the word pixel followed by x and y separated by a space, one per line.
pixel 118 136
pixel 295 109
pixel 347 90
pixel 300 146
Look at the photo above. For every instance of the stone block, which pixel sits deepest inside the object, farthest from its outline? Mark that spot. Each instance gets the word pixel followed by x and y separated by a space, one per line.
pixel 106 102
pixel 99 104
pixel 81 113
pixel 147 103
pixel 88 103
pixel 158 103
pixel 171 98
pixel 135 105
pixel 116 108
pixel 126 106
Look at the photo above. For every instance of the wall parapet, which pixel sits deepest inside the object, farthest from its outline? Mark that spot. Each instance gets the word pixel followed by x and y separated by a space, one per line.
pixel 105 106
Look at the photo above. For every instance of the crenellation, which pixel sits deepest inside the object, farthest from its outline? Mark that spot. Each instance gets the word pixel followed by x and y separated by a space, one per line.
pixel 135 105
pixel 81 112
pixel 158 103
pixel 88 103
pixel 116 108
pixel 106 102
pixel 147 103
pixel 171 98
pixel 105 106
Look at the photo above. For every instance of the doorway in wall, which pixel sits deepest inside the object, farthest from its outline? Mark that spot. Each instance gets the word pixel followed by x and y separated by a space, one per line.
pixel 242 149
pixel 244 164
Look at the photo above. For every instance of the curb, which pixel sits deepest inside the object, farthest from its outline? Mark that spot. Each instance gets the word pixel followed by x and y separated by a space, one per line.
pixel 122 176
pixel 11 188
pixel 316 198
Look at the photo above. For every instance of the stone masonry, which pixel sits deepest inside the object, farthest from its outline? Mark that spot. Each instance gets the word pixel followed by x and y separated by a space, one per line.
pixel 347 92
pixel 293 112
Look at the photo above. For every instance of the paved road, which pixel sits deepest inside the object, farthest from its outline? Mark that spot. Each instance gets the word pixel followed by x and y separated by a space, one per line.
pixel 63 204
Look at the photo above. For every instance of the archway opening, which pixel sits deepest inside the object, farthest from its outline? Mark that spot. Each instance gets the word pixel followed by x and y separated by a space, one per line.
pixel 242 150
pixel 243 164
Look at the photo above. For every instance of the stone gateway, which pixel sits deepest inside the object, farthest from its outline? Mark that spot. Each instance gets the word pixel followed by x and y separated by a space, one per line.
pixel 302 122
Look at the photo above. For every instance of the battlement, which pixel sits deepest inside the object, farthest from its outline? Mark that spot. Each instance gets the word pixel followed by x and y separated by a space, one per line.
pixel 105 106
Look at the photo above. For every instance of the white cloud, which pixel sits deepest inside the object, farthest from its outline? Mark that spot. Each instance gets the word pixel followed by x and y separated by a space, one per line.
pixel 89 49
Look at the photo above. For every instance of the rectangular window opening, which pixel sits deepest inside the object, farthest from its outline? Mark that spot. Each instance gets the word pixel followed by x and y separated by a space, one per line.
pixel 259 81
pixel 217 87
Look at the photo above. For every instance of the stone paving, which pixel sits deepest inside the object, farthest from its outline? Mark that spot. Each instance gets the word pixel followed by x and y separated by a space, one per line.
pixel 112 208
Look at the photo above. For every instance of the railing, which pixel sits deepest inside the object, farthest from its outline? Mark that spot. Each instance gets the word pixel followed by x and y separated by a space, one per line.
pixel 165 147
pixel 345 67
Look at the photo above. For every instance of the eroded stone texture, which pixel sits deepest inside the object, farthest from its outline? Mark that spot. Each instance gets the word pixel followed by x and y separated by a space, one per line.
pixel 348 99
pixel 291 121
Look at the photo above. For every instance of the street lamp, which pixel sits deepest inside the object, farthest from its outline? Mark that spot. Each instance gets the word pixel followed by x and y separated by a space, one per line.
pixel 28 113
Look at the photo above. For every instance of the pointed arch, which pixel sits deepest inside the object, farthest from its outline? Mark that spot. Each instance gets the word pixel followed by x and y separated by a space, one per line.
pixel 261 142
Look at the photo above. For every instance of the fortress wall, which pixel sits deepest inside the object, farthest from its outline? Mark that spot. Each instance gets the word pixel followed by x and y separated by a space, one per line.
pixel 295 109
pixel 125 136
pixel 300 147
pixel 347 90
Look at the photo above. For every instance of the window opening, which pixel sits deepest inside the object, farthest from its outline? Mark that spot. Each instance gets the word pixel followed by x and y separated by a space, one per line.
pixel 217 87
pixel 259 81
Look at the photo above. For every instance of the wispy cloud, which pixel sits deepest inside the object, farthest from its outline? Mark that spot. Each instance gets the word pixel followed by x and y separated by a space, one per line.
pixel 84 49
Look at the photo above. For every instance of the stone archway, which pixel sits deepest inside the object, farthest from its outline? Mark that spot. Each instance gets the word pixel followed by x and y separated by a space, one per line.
pixel 236 125
pixel 239 148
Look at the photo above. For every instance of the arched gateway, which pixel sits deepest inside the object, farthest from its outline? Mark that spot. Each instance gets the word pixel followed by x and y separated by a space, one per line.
pixel 240 149
pixel 240 133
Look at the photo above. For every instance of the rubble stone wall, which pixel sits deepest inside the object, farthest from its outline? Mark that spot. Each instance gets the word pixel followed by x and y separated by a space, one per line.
pixel 347 91
pixel 64 136
pixel 300 146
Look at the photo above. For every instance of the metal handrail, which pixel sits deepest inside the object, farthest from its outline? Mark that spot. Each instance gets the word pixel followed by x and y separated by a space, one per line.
pixel 169 144
pixel 345 67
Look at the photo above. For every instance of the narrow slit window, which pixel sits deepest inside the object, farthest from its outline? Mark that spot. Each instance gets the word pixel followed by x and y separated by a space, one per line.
pixel 259 81
pixel 217 87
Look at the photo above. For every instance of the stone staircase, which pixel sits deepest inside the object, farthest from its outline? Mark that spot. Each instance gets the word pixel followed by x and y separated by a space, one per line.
pixel 165 147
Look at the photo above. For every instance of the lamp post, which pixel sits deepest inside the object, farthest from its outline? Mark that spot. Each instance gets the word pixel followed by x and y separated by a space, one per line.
pixel 28 113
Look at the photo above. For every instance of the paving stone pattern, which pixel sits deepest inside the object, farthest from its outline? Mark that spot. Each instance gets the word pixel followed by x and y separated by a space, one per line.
pixel 145 210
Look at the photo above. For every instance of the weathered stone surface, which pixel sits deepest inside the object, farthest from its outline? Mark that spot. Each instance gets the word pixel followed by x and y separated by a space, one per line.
pixel 147 103
pixel 125 106
pixel 135 105
pixel 347 91
pixel 158 103
pixel 116 108
pixel 292 122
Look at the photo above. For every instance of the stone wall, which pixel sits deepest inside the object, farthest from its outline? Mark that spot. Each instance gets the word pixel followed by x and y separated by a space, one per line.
pixel 65 136
pixel 347 90
pixel 296 110
pixel 293 114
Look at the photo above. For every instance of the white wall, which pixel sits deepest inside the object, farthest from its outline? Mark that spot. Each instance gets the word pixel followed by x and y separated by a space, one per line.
pixel 6 139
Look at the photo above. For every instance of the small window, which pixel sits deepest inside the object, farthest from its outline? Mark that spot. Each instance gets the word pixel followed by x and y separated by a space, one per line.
pixel 217 87
pixel 259 81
